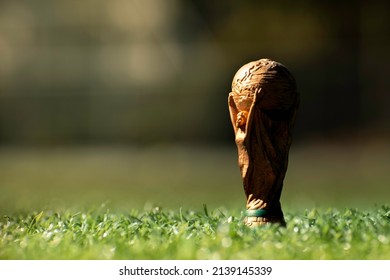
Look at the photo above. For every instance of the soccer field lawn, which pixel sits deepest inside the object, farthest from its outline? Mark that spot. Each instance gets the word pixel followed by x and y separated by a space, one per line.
pixel 174 177
pixel 100 203
pixel 220 234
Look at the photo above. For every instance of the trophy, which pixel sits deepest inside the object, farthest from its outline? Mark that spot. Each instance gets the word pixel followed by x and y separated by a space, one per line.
pixel 263 104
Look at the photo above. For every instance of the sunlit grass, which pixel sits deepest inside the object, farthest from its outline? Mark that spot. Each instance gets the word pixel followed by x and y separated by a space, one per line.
pixel 335 200
pixel 179 234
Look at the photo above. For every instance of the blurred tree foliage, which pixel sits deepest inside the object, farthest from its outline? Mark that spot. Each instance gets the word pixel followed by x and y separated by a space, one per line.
pixel 135 72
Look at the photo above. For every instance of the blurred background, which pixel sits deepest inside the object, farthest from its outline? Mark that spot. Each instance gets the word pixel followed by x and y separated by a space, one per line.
pixel 124 102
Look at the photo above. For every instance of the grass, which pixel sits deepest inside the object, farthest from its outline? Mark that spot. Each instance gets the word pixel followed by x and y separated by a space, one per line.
pixel 217 234
pixel 48 201
pixel 319 175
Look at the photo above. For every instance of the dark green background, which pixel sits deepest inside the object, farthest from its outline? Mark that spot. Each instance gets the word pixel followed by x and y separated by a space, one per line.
pixel 126 101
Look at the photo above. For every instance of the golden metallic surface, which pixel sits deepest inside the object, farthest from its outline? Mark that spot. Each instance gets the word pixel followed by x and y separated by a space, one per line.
pixel 263 104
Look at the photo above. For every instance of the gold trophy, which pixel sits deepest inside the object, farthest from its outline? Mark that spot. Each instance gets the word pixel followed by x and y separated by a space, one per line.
pixel 263 106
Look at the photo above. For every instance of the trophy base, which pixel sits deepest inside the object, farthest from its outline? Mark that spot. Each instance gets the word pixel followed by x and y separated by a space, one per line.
pixel 260 221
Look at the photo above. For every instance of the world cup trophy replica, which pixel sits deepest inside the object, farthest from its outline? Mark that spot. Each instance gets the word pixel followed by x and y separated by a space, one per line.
pixel 263 106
